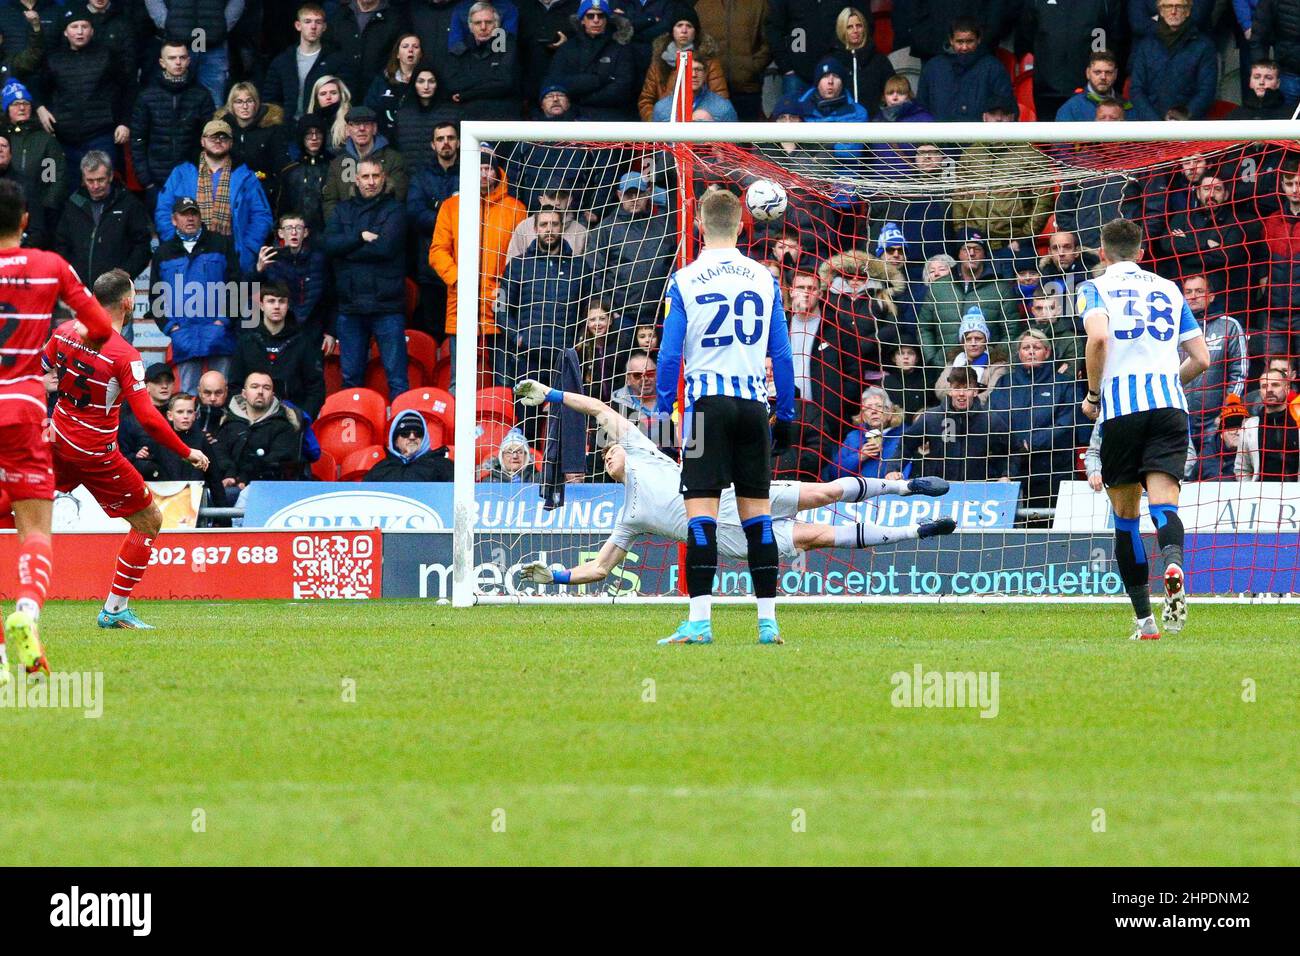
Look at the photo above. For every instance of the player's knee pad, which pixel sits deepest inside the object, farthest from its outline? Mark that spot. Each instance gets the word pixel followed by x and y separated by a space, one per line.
pixel 701 555
pixel 1130 552
pixel 764 556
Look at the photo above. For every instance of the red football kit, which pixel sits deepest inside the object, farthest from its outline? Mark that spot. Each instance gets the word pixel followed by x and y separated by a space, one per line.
pixel 93 383
pixel 31 281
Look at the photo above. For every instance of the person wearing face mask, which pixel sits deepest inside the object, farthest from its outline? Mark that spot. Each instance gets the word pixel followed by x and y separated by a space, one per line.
pixel 962 82
pixel 1037 407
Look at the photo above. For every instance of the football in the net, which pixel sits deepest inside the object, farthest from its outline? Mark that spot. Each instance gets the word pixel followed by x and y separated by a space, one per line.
pixel 765 199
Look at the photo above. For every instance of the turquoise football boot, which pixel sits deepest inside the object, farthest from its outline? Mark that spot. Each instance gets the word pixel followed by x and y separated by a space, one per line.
pixel 690 632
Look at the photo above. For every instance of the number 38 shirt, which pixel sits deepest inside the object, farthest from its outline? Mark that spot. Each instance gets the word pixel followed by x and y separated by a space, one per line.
pixel 724 317
pixel 92 386
pixel 1149 319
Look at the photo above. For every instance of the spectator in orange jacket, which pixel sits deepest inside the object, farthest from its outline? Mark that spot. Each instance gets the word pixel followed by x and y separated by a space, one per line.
pixel 500 213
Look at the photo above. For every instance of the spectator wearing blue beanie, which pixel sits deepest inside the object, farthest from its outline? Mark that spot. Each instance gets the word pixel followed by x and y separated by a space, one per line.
pixel 829 102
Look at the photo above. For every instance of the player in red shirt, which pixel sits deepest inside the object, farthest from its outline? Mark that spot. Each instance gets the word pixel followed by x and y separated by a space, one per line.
pixel 92 384
pixel 31 281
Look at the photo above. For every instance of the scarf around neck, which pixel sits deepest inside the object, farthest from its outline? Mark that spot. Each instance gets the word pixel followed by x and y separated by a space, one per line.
pixel 1171 37
pixel 214 202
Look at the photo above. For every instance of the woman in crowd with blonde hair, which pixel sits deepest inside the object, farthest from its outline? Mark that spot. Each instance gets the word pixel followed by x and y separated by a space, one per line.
pixel 331 98
pixel 258 131
pixel 866 69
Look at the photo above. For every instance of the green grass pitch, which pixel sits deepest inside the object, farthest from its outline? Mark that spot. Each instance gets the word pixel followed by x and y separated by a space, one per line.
pixel 523 735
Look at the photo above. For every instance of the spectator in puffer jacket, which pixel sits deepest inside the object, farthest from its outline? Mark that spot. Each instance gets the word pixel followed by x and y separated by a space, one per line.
pixel 595 65
pixel 392 87
pixel 708 106
pixel 540 294
pixel 866 69
pixel 874 447
pixel 35 236
pixel 1176 66
pixel 297 262
pixel 188 294
pixel 409 456
pixel 284 348
pixel 542 27
pixel 1277 26
pixel 956 439
pixel 364 32
pixel 261 436
pixel 26 26
pixel 481 78
pixel 661 76
pixel 631 254
pixel 1038 408
pixel 432 183
pixel 1099 87
pixel 363 142
pixel 85 91
pixel 897 106
pixel 829 102
pixel 1263 98
pixel 167 120
pixel 231 197
pixel 416 118
pixel 103 226
pixel 179 19
pixel 301 184
pixel 115 26
pixel 36 154
pixel 260 141
pixel 366 238
pixel 285 83
pixel 1060 36
pixel 961 83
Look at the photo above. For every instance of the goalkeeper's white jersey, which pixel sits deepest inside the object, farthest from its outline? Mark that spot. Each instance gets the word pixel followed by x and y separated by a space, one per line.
pixel 653 503
pixel 1149 319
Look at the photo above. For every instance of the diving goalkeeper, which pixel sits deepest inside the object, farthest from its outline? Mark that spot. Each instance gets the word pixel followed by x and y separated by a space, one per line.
pixel 653 503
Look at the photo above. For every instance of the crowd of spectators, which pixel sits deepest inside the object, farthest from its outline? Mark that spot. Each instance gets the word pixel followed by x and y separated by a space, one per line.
pixel 314 149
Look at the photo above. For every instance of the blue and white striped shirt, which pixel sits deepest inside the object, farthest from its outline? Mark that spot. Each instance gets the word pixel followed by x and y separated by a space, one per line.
pixel 1148 319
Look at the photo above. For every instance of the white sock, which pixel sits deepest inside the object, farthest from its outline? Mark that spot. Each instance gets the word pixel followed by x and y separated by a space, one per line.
pixel 870 535
pixel 701 607
pixel 30 606
pixel 855 488
pixel 767 609
pixel 115 603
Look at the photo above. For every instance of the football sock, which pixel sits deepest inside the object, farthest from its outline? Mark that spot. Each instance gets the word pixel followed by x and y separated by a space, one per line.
pixel 35 561
pixel 854 488
pixel 870 535
pixel 764 562
pixel 701 564
pixel 132 560
pixel 1131 556
pixel 1169 533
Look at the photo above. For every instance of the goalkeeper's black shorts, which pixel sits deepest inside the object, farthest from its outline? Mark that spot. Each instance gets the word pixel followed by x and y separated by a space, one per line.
pixel 1134 445
pixel 729 442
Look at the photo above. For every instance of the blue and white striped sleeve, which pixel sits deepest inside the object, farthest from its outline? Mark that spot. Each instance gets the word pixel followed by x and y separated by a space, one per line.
pixel 1188 327
pixel 1089 300
pixel 671 348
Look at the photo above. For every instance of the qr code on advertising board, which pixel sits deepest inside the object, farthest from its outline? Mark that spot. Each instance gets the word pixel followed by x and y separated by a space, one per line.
pixel 333 566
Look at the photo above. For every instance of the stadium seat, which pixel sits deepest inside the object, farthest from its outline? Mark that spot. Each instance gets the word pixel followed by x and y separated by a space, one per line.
pixel 359 462
pixel 882 26
pixel 421 348
pixel 412 298
pixel 437 407
pixel 325 468
pixel 442 374
pixel 333 374
pixel 351 419
pixel 1081 463
pixel 376 378
pixel 1024 92
pixel 488 440
pixel 1220 109
pixel 496 404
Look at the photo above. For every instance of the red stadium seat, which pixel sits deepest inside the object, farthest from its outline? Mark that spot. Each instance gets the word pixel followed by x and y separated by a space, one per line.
pixel 378 380
pixel 1080 462
pixel 1220 109
pixel 437 407
pixel 325 468
pixel 350 419
pixel 421 348
pixel 496 404
pixel 333 374
pixel 1024 90
pixel 359 462
pixel 489 440
pixel 442 374
pixel 412 298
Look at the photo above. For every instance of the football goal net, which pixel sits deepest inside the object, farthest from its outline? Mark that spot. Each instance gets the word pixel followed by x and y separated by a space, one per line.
pixel 930 277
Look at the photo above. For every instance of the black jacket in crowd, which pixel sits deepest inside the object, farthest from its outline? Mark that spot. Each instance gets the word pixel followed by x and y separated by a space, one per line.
pixel 955 445
pixel 120 240
pixel 300 188
pixel 363 54
pixel 1277 24
pixel 292 357
pixel 269 449
pixel 599 72
pixel 486 79
pixel 186 16
pixel 115 30
pixel 413 131
pixel 87 90
pixel 538 26
pixel 263 145
pixel 369 277
pixel 36 235
pixel 163 464
pixel 166 125
pixel 1051 31
pixel 281 83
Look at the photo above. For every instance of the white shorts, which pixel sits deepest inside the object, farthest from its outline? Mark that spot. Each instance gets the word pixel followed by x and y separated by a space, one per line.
pixel 785 506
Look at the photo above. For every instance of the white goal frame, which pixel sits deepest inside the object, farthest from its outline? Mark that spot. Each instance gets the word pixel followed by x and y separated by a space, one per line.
pixel 474 134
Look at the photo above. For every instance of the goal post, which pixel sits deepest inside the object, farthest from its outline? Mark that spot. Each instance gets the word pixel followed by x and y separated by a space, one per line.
pixel 823 180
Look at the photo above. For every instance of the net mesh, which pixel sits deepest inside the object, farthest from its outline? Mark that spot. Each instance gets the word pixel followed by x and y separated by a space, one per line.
pixel 882 254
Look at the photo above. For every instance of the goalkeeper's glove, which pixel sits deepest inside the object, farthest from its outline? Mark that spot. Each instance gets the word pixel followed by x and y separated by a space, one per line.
pixel 530 392
pixel 536 571
pixel 782 436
